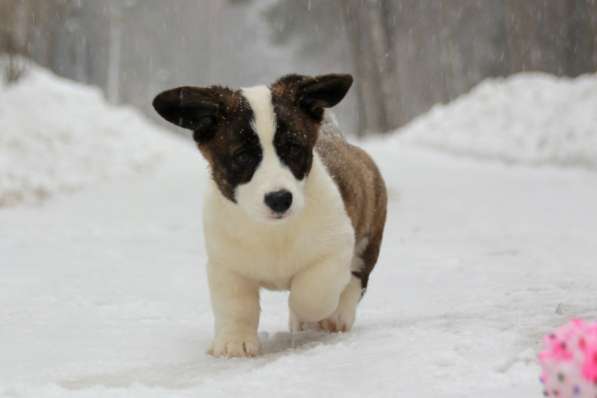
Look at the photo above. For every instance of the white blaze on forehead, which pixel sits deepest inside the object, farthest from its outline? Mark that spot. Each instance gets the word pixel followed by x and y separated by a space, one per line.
pixel 271 175
pixel 260 100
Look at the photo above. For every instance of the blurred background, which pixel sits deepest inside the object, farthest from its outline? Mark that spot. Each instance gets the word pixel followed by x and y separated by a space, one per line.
pixel 490 168
pixel 406 55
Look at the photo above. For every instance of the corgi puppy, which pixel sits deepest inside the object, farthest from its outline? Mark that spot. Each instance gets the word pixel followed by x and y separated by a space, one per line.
pixel 291 204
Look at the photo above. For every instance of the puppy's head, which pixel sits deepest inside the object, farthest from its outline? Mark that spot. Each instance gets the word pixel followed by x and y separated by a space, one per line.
pixel 258 141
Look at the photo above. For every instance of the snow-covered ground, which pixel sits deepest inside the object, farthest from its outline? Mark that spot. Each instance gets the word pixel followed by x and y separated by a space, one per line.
pixel 103 292
pixel 57 135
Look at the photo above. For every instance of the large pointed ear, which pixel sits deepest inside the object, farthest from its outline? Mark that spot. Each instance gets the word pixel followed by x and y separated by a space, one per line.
pixel 191 108
pixel 323 91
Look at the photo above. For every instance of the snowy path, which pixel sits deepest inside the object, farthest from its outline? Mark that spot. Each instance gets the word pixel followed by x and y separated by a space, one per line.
pixel 103 293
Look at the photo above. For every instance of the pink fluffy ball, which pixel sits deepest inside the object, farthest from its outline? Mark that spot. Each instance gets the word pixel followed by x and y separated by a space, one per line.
pixel 569 361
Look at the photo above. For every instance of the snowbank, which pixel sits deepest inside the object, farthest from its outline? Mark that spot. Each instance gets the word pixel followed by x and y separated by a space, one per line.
pixel 530 118
pixel 57 135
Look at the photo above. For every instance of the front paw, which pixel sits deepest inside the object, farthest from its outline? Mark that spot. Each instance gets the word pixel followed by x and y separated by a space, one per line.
pixel 343 318
pixel 336 324
pixel 232 345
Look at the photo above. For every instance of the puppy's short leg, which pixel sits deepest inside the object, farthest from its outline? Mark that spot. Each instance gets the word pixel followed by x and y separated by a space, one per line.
pixel 235 302
pixel 315 292
pixel 343 318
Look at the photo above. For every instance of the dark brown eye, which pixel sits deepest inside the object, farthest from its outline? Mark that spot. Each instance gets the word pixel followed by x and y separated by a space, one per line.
pixel 242 158
pixel 206 121
pixel 295 150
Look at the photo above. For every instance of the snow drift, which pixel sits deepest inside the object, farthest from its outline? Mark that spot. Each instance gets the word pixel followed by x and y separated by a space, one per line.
pixel 58 135
pixel 530 118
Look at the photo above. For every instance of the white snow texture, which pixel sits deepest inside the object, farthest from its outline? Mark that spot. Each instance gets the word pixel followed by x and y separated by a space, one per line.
pixel 530 118
pixel 57 135
pixel 103 292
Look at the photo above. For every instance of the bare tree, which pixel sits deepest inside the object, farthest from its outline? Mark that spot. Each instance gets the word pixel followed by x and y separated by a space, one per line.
pixel 558 37
pixel 115 52
pixel 13 38
pixel 364 31
pixel 582 36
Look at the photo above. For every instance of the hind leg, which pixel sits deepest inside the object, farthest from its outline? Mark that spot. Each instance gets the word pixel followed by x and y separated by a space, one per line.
pixel 343 318
pixel 365 256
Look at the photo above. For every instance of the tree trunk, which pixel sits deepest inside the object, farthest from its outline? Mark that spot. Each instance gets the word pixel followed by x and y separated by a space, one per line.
pixel 367 43
pixel 582 35
pixel 114 53
pixel 538 36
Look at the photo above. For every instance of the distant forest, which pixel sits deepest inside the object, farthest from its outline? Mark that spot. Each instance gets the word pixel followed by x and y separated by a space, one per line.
pixel 406 55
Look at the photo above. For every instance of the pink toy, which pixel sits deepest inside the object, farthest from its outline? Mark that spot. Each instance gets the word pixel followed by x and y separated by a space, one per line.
pixel 569 361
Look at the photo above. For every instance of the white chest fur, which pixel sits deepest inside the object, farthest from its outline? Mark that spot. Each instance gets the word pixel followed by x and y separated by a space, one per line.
pixel 271 253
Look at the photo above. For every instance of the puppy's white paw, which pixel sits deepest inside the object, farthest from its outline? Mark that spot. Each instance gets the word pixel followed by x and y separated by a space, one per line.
pixel 343 318
pixel 235 345
pixel 295 324
pixel 338 322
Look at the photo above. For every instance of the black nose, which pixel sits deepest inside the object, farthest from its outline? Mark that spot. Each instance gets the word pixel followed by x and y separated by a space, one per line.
pixel 278 201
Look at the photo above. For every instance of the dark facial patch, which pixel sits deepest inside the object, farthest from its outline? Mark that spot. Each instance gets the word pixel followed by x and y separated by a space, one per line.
pixel 221 123
pixel 299 103
pixel 296 130
pixel 234 153
pixel 221 118
pixel 294 143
